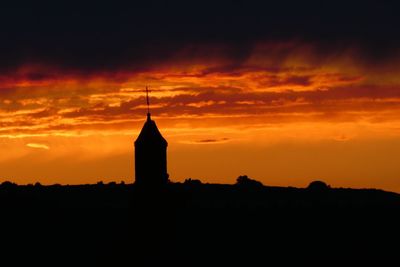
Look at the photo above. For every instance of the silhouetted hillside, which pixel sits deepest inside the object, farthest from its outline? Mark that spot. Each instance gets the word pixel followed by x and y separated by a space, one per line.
pixel 192 224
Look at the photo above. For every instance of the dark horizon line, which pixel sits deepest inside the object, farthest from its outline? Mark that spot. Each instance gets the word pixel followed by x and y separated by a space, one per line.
pixel 191 182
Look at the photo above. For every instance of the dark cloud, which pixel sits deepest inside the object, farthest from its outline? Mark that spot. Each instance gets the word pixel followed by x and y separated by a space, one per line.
pixel 212 140
pixel 137 35
pixel 43 113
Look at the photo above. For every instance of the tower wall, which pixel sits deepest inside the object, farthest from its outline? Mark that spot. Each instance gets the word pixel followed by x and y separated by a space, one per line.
pixel 150 164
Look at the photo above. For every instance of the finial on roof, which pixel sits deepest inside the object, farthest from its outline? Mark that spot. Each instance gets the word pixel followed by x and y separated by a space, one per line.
pixel 148 103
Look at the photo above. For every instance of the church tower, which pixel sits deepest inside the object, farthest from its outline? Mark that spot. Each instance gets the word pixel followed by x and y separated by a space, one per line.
pixel 150 153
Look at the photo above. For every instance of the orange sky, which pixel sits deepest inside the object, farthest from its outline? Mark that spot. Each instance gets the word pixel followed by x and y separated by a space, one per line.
pixel 286 115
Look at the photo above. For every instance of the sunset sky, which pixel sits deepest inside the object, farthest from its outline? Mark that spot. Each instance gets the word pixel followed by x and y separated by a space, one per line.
pixel 285 94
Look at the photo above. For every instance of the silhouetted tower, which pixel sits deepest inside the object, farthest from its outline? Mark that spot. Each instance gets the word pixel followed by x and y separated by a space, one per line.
pixel 150 153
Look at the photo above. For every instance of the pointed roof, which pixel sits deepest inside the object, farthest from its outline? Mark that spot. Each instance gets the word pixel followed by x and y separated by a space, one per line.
pixel 150 134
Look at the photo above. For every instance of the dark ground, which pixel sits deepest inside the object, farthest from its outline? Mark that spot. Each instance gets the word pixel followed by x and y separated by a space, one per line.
pixel 196 224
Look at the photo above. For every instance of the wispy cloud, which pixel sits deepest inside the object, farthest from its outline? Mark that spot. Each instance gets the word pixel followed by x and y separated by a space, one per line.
pixel 39 146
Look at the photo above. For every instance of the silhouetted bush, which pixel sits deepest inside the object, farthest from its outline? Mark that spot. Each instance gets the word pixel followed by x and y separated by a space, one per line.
pixel 245 181
pixel 318 186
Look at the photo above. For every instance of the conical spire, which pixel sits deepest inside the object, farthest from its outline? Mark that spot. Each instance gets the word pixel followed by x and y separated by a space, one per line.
pixel 150 134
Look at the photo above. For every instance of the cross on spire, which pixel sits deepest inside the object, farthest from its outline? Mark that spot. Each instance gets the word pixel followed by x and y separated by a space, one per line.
pixel 148 102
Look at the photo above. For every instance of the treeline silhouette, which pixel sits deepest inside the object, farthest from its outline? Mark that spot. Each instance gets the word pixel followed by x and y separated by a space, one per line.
pixel 196 224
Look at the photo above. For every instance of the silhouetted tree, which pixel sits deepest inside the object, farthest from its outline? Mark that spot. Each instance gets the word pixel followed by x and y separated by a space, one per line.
pixel 192 182
pixel 8 185
pixel 245 181
pixel 318 186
